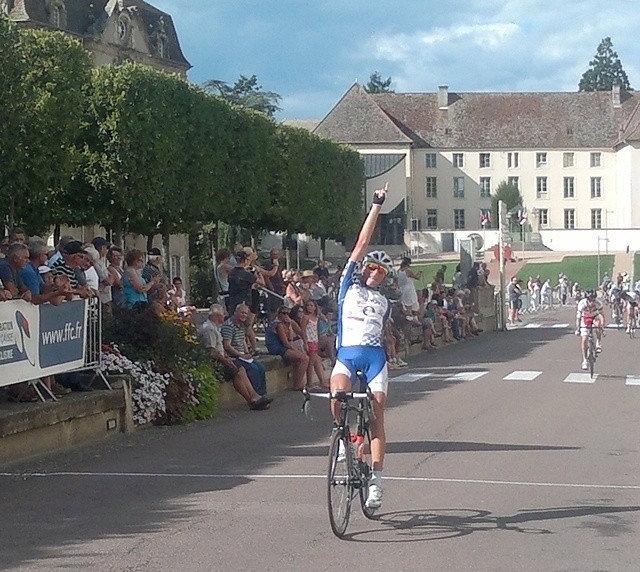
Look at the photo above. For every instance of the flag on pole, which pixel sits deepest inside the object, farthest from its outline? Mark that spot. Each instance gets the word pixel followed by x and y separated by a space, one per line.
pixel 485 217
pixel 522 216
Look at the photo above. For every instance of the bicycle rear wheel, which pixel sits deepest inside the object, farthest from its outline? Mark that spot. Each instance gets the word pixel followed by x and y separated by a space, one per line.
pixel 591 357
pixel 339 484
pixel 365 475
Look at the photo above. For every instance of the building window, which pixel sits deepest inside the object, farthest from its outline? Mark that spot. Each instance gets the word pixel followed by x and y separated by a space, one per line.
pixel 513 160
pixel 541 159
pixel 432 218
pixel 458 160
pixel 58 14
pixel 543 217
pixel 567 159
pixel 431 160
pixel 569 188
pixel 541 188
pixel 596 159
pixel 596 187
pixel 432 187
pixel 458 187
pixel 124 30
pixel 458 218
pixel 416 224
pixel 514 182
pixel 485 160
pixel 162 47
pixel 596 218
pixel 485 187
pixel 569 218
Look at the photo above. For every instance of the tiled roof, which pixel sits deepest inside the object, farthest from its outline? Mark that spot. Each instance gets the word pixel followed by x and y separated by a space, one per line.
pixel 480 120
pixel 357 118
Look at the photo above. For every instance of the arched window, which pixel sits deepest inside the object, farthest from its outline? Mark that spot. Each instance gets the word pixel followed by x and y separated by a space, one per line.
pixel 58 14
pixel 124 30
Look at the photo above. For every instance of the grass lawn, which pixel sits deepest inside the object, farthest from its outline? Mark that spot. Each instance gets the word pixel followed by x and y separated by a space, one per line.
pixel 429 270
pixel 581 269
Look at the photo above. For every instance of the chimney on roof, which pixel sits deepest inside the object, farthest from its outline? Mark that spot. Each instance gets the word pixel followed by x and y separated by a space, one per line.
pixel 615 94
pixel 443 97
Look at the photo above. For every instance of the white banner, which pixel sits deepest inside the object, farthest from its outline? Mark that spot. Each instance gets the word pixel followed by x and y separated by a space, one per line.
pixel 36 341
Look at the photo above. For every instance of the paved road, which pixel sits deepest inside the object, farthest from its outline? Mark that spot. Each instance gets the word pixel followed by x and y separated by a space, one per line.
pixel 501 457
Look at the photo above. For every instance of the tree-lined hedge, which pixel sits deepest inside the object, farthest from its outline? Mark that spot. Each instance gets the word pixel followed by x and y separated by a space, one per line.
pixel 138 150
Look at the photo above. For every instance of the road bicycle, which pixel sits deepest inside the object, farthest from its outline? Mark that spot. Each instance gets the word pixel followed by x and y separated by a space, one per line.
pixel 349 468
pixel 592 350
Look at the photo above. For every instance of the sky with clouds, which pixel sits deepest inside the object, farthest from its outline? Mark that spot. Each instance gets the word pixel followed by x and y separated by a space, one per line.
pixel 311 52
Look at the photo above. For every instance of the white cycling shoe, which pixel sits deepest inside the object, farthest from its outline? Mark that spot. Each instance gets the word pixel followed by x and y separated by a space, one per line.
pixel 585 364
pixel 374 500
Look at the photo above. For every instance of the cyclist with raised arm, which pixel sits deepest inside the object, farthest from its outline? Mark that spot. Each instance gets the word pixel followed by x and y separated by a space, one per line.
pixel 362 311
pixel 589 315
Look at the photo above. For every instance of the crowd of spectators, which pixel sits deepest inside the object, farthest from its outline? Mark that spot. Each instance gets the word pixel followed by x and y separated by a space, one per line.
pixel 293 309
pixel 33 271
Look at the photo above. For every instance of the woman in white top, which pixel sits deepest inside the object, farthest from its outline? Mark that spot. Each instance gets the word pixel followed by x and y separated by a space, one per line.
pixel 408 294
pixel 309 327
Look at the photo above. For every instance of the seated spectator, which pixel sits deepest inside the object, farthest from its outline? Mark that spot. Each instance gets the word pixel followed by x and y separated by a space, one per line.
pixel 297 312
pixel 135 288
pixel 17 258
pixel 309 327
pixel 4 294
pixel 279 337
pixel 234 339
pixel 87 263
pixel 17 234
pixel 211 337
pixel 4 245
pixel 443 320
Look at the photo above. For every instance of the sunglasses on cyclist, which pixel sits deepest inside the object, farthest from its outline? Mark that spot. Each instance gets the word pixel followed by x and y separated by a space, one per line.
pixel 373 266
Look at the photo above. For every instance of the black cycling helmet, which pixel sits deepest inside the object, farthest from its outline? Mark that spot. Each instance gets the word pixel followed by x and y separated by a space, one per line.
pixel 591 295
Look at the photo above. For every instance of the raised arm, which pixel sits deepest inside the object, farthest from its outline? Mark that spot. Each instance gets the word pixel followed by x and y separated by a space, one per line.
pixel 369 225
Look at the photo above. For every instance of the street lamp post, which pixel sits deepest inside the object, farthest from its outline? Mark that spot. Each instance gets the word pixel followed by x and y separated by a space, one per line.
pixel 606 242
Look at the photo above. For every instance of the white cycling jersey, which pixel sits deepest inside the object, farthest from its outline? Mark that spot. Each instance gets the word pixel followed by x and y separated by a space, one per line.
pixel 361 312
pixel 587 313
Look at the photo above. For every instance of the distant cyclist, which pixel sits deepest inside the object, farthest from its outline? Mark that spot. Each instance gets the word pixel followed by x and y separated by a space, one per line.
pixel 589 315
pixel 362 311
pixel 631 300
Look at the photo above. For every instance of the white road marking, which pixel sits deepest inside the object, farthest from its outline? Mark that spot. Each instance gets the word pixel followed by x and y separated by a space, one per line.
pixel 466 376
pixel 633 380
pixel 580 378
pixel 560 326
pixel 299 476
pixel 533 326
pixel 409 377
pixel 522 375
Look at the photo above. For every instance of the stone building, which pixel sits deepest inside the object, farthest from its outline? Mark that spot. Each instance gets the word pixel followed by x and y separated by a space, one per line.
pixel 575 157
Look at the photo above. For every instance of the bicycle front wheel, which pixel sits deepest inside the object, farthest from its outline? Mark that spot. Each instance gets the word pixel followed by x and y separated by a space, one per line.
pixel 591 357
pixel 339 483
pixel 365 476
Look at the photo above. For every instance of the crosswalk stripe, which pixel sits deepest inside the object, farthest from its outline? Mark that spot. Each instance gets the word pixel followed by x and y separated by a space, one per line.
pixel 533 326
pixel 466 376
pixel 560 326
pixel 522 375
pixel 580 378
pixel 409 377
pixel 633 380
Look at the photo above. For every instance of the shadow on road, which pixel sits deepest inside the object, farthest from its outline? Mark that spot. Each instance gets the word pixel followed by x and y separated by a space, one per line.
pixel 441 524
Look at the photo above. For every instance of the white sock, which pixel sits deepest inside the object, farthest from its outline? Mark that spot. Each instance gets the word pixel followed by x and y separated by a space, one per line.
pixel 376 478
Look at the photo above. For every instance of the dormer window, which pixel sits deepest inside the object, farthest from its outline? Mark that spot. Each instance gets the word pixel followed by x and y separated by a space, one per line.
pixel 162 47
pixel 58 14
pixel 124 29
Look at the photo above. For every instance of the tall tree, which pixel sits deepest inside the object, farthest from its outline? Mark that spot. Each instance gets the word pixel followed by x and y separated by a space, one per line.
pixel 246 92
pixel 511 197
pixel 377 85
pixel 605 70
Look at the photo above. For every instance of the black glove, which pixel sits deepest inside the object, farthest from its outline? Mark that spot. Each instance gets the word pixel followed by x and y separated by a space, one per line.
pixel 378 199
